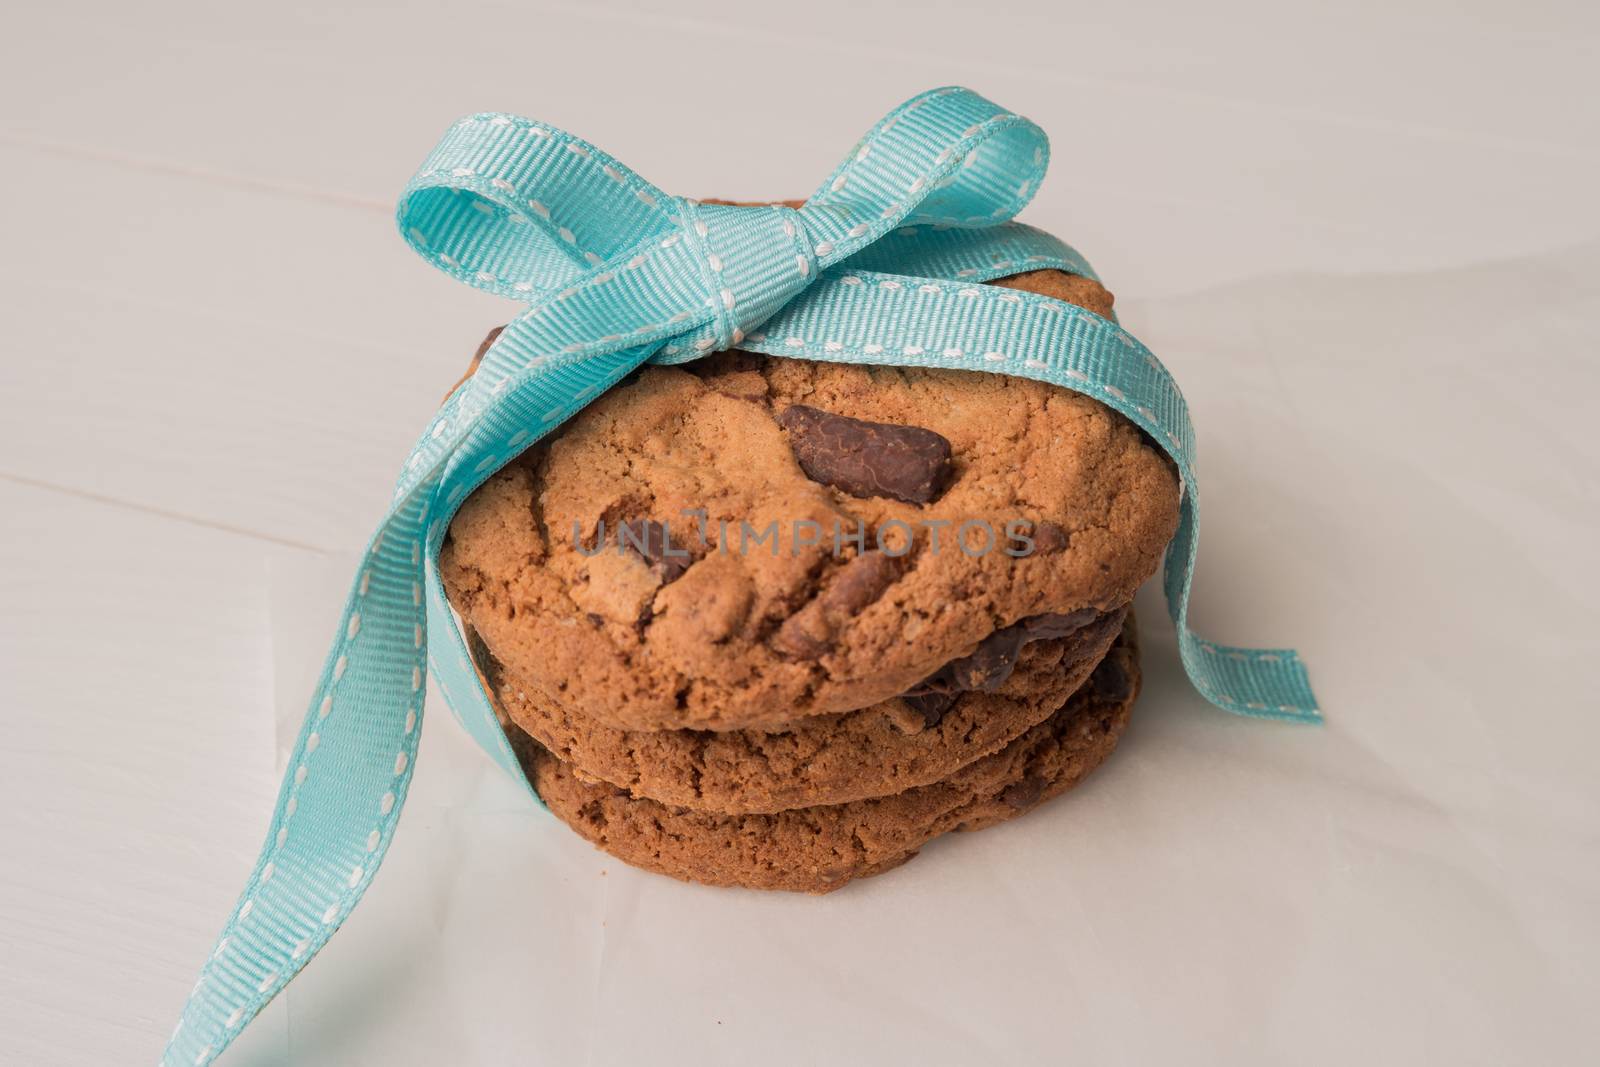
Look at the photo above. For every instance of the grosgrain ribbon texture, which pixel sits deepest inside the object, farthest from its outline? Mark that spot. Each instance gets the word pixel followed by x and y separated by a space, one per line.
pixel 884 264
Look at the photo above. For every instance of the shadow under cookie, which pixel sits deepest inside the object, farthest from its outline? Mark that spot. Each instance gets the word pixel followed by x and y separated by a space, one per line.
pixel 820 848
pixel 821 760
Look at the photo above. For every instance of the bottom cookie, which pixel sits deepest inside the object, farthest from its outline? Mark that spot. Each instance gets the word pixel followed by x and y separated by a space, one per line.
pixel 819 849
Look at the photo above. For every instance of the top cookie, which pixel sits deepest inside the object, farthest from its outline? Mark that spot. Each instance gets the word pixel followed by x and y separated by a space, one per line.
pixel 743 541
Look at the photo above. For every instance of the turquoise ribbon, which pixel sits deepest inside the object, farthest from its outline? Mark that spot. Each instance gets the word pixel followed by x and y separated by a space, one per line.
pixel 883 264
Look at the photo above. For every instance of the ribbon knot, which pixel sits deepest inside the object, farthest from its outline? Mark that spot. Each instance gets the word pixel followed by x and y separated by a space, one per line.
pixel 756 259
pixel 530 212
pixel 881 265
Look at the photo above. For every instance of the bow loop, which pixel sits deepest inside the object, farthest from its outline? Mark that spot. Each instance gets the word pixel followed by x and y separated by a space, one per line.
pixel 965 162
pixel 522 209
pixel 611 266
pixel 530 212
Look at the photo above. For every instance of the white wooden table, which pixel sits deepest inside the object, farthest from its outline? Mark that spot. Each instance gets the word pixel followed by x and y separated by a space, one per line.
pixel 201 280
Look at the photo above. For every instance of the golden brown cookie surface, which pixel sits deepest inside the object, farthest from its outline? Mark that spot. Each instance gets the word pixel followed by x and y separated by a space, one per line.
pixel 621 571
pixel 824 759
pixel 819 849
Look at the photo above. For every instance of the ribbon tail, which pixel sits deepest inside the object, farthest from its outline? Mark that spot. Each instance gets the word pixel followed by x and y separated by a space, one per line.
pixel 1264 683
pixel 356 752
pixel 340 799
pixel 862 317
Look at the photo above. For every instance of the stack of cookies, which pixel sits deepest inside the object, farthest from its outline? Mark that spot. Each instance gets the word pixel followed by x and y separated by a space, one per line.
pixel 777 623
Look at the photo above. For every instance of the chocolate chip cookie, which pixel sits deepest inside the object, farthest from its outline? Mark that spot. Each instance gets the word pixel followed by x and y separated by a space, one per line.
pixel 744 542
pixel 964 713
pixel 818 849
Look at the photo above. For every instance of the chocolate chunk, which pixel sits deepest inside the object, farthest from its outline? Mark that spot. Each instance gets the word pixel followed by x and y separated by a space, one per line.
pixel 1086 639
pixel 992 662
pixel 931 706
pixel 996 657
pixel 867 459
pixel 805 634
pixel 651 541
pixel 1048 538
pixel 860 582
pixel 1110 680
pixel 1024 794
pixel 1053 624
pixel 986 669
pixel 809 632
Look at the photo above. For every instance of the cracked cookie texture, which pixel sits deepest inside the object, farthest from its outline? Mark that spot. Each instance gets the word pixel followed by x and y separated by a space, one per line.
pixel 618 573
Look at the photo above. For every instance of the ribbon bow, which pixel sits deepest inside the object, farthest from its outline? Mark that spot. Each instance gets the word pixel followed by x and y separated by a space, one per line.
pixel 881 265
